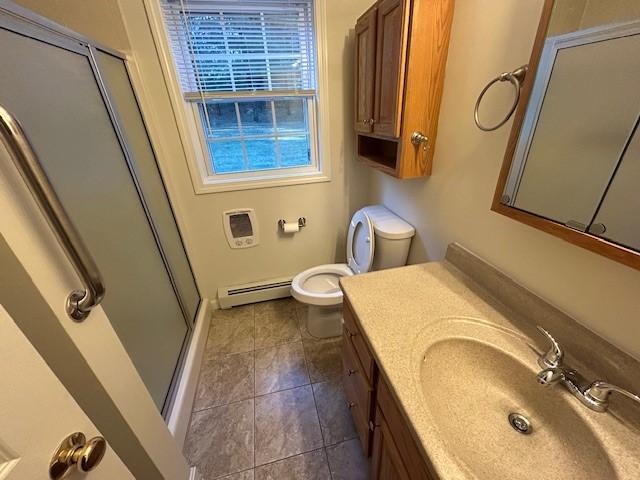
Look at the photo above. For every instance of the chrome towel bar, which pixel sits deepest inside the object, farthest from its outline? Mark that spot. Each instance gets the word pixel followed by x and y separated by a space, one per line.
pixel 79 302
pixel 516 78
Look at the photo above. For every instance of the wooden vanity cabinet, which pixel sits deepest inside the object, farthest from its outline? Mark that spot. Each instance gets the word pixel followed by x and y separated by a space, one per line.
pixel 386 460
pixel 401 49
pixel 383 431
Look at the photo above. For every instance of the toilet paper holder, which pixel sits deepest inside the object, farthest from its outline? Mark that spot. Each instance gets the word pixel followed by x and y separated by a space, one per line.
pixel 302 222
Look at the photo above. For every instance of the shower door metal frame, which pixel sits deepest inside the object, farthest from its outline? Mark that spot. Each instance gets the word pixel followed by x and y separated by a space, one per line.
pixel 27 23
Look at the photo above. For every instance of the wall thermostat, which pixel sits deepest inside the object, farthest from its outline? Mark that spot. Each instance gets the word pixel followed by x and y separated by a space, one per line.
pixel 241 228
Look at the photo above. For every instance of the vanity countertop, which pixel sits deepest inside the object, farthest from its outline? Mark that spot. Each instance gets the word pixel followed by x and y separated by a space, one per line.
pixel 395 306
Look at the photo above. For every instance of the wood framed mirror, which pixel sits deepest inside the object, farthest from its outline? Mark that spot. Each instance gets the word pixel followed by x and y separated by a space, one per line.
pixel 572 163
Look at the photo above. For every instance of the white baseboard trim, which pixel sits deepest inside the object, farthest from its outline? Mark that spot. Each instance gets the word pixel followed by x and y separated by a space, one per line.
pixel 183 404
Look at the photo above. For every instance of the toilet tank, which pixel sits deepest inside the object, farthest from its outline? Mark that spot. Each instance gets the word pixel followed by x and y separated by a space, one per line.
pixel 392 237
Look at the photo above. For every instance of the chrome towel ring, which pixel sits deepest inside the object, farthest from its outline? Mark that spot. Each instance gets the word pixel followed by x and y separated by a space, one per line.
pixel 516 78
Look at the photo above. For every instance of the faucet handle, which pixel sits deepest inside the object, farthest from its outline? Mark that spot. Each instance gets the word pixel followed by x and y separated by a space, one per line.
pixel 599 391
pixel 554 356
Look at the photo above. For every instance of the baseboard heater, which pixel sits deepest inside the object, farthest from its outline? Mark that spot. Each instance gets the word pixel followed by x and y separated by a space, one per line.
pixel 254 292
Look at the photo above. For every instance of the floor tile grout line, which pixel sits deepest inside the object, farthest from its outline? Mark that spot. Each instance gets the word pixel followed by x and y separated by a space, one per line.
pixel 322 449
pixel 341 441
pixel 227 354
pixel 290 342
pixel 313 394
pixel 283 390
pixel 326 456
pixel 221 477
pixel 253 462
pixel 289 457
pixel 222 405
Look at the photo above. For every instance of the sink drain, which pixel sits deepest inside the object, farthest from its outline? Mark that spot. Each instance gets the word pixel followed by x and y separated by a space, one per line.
pixel 520 423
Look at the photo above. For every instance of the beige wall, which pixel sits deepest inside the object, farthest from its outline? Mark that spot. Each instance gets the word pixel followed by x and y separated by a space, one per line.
pixel 96 19
pixel 326 206
pixel 597 12
pixel 572 15
pixel 454 204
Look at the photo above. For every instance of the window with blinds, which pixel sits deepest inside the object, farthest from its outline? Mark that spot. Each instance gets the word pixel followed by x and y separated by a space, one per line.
pixel 248 70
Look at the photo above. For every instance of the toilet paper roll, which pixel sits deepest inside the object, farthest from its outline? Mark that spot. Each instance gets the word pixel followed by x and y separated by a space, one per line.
pixel 291 227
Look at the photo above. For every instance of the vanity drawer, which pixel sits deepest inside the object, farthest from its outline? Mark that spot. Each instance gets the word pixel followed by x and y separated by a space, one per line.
pixel 399 431
pixel 358 392
pixel 362 350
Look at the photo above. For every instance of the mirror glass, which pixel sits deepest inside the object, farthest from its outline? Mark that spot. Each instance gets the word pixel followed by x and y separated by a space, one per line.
pixel 577 158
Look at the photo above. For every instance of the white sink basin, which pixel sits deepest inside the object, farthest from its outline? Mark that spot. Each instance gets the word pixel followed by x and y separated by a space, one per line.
pixel 473 376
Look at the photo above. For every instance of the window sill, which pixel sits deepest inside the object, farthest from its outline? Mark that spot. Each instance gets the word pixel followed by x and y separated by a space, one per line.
pixel 215 185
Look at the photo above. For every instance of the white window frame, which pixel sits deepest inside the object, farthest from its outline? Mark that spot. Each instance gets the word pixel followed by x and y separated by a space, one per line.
pixel 193 137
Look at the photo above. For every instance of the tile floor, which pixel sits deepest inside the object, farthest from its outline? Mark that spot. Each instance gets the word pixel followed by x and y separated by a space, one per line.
pixel 270 403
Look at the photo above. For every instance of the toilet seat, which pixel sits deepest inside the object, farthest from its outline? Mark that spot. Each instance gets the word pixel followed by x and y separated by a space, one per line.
pixel 360 243
pixel 320 285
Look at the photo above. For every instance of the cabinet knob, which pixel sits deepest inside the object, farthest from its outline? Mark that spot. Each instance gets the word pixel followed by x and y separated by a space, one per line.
pixel 351 372
pixel 418 138
pixel 350 405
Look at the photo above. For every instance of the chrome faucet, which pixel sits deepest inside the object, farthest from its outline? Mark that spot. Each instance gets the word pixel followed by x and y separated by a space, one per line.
pixel 594 395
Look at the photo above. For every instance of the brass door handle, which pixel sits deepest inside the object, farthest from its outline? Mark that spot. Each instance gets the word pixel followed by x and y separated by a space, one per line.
pixel 76 452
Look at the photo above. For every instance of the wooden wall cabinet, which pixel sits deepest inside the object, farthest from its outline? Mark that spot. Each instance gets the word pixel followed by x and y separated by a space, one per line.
pixel 401 50
pixel 365 35
pixel 384 433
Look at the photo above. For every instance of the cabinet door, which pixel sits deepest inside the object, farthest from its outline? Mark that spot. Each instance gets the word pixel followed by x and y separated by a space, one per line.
pixel 389 67
pixel 386 463
pixel 365 69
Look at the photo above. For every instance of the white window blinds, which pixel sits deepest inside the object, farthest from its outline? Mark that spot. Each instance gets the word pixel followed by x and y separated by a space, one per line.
pixel 226 47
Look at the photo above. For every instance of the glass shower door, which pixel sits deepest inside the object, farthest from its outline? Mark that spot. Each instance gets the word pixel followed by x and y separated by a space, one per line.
pixel 142 160
pixel 53 93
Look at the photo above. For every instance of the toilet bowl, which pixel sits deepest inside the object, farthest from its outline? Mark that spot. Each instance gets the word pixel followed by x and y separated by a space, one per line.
pixel 320 286
pixel 377 239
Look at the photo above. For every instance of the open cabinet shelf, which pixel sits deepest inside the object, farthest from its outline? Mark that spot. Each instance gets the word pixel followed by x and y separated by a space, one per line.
pixel 379 153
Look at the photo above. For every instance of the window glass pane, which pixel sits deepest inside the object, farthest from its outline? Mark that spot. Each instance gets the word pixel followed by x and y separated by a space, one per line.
pixel 256 118
pixel 222 120
pixel 227 157
pixel 294 151
pixel 261 154
pixel 291 115
pixel 256 143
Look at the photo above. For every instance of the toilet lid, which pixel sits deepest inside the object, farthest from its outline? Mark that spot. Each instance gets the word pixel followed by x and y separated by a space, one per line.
pixel 360 243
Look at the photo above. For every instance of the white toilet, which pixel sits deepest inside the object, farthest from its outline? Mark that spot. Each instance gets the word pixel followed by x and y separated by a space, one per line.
pixel 377 239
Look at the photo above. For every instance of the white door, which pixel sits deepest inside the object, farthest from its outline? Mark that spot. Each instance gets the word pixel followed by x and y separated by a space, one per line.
pixel 37 413
pixel 106 381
